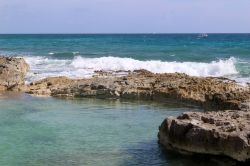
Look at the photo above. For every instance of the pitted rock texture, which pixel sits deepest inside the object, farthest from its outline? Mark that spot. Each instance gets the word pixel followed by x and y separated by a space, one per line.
pixel 210 93
pixel 217 133
pixel 12 72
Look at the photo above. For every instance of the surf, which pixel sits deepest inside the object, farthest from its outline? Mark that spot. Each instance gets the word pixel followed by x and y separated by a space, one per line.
pixel 82 67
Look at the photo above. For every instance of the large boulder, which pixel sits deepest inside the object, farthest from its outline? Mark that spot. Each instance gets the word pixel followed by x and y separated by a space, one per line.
pixel 224 133
pixel 12 72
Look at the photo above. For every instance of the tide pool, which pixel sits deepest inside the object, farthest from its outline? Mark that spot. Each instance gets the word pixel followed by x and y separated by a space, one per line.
pixel 38 131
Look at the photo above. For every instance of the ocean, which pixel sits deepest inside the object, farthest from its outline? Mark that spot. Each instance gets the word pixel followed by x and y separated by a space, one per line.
pixel 79 55
pixel 58 132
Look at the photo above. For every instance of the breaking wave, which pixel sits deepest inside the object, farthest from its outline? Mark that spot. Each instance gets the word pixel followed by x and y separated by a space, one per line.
pixel 80 67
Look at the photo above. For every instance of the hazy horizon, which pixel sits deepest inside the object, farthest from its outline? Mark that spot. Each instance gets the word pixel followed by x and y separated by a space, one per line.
pixel 195 33
pixel 123 17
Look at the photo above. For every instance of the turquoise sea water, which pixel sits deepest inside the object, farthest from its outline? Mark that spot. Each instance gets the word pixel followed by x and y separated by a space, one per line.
pixel 79 55
pixel 169 47
pixel 39 131
pixel 58 132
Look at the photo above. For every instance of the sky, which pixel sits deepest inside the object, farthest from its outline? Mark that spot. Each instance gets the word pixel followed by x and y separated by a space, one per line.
pixel 124 16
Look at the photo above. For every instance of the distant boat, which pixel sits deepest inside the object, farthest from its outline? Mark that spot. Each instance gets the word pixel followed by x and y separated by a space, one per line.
pixel 202 35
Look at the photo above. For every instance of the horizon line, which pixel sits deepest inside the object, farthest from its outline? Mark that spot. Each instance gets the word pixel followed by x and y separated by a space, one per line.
pixel 123 33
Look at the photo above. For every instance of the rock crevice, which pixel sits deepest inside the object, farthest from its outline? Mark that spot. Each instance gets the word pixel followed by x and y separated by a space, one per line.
pixel 218 133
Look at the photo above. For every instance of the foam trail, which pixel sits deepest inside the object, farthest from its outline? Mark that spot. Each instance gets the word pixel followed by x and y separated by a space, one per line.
pixel 81 67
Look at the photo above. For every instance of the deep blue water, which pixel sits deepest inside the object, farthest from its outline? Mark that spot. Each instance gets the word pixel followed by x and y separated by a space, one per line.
pixel 167 47
pixel 79 55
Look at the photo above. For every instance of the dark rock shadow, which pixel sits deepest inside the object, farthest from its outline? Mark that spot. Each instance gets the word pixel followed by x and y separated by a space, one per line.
pixel 151 153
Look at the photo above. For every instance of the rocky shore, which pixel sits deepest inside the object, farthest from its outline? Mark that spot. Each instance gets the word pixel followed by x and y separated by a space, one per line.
pixel 12 72
pixel 223 130
pixel 209 93
pixel 224 133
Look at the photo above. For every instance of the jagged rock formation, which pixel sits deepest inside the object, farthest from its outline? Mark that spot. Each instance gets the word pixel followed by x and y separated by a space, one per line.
pixel 210 93
pixel 12 72
pixel 218 133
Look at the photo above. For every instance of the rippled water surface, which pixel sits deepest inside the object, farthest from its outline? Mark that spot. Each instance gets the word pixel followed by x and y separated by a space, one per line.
pixel 38 131
pixel 79 55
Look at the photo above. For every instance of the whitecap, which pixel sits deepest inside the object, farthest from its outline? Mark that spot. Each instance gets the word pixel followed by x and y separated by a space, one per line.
pixel 81 67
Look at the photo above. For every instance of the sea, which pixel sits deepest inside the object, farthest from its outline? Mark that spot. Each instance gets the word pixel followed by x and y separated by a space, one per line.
pixel 79 55
pixel 59 132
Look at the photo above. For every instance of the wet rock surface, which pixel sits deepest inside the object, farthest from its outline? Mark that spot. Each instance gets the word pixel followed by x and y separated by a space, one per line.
pixel 12 72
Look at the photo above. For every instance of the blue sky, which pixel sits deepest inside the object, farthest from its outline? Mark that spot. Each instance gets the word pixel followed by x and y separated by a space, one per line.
pixel 124 16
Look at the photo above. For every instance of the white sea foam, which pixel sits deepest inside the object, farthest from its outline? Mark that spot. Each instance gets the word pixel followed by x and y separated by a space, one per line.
pixel 76 52
pixel 81 67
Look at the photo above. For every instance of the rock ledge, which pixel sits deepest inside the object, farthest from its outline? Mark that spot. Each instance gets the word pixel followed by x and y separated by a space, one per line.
pixel 209 93
pixel 218 133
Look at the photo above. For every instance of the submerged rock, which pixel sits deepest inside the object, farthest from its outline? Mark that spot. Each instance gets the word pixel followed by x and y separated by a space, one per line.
pixel 12 72
pixel 217 133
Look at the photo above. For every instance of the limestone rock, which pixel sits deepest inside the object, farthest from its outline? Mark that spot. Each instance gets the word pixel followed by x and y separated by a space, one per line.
pixel 217 133
pixel 209 93
pixel 12 72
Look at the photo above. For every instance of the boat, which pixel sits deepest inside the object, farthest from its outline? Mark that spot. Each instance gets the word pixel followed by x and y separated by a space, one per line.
pixel 203 35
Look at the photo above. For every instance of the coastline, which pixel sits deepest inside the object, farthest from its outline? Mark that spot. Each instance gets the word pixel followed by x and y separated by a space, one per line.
pixel 213 94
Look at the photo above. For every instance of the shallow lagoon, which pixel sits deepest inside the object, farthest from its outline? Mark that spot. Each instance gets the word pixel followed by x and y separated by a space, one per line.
pixel 57 132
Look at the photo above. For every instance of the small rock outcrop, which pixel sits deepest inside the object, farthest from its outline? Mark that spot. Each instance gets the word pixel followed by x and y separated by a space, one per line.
pixel 12 72
pixel 217 133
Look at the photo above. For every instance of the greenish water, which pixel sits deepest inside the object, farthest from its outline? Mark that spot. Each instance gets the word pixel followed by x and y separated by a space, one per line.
pixel 37 131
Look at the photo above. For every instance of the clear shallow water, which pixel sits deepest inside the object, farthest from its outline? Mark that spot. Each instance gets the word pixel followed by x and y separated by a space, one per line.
pixel 55 132
pixel 80 55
